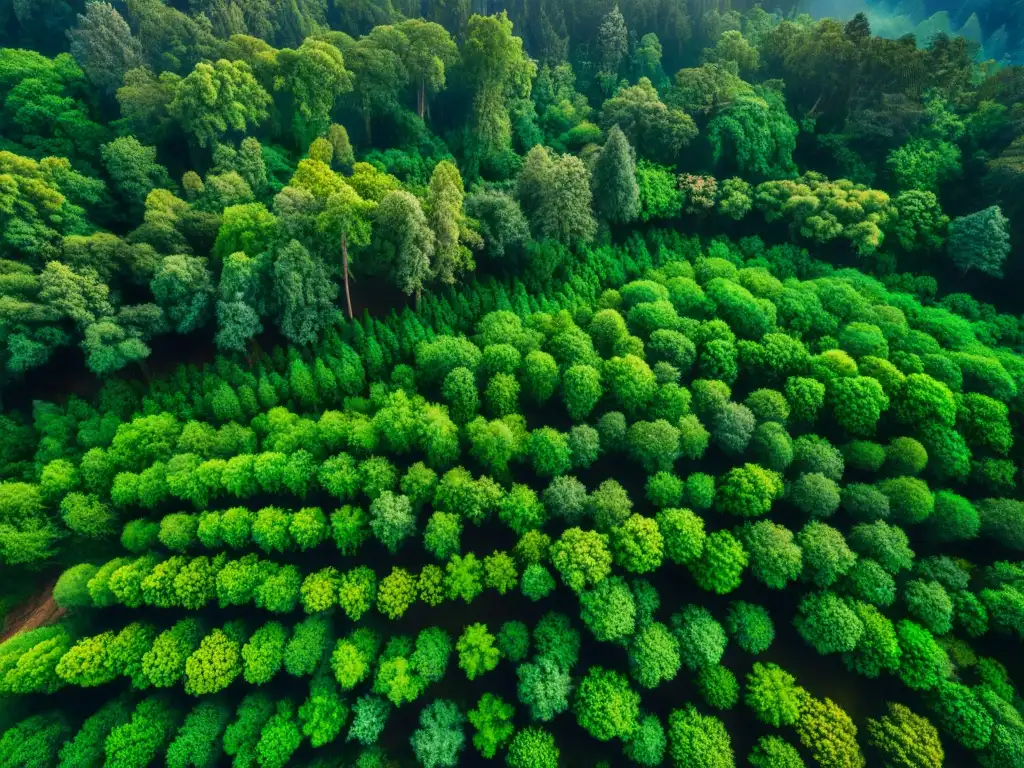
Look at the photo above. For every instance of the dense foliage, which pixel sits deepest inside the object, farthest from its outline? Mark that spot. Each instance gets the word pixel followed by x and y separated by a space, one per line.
pixel 596 477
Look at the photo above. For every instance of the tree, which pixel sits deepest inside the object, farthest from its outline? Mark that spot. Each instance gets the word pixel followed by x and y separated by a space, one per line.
pixel 324 713
pixel 825 553
pixel 303 294
pixel 683 534
pixel 773 695
pixel 555 193
pixel 605 705
pixel 448 222
pixel 757 134
pixel 406 242
pixel 828 733
pixel 492 719
pixel 648 743
pixel 396 593
pixel 132 166
pixel 980 241
pixel 828 624
pixel 544 688
pixel 103 45
pixel 477 653
pixel 215 98
pixel 346 217
pixel 613 178
pixel 183 288
pixel 775 752
pixel 698 741
pixel 440 739
pixel 263 654
pixel 654 655
pixel 581 389
pixel 581 557
pixel 500 221
pixel 315 75
pixel 370 715
pixel 243 733
pixel 660 132
pixel 215 664
pixel 139 741
pixel 751 626
pixel 748 491
pixel 924 664
pixel 702 640
pixel 280 737
pixel 532 748
pixel 498 72
pixel 198 742
pixel 886 544
pixel 637 544
pixel 905 740
pixel 608 610
pixel 720 566
pixel 392 519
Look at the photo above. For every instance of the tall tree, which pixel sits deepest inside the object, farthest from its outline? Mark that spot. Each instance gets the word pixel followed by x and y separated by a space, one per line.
pixel 431 50
pixel 380 73
pixel 303 293
pixel 660 132
pixel 406 240
pixel 980 241
pixel 498 70
pixel 613 41
pixel 216 98
pixel 346 219
pixel 133 169
pixel 555 193
pixel 103 46
pixel 315 74
pixel 448 221
pixel 614 179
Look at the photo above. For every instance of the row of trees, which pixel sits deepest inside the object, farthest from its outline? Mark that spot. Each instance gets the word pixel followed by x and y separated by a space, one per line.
pixel 690 364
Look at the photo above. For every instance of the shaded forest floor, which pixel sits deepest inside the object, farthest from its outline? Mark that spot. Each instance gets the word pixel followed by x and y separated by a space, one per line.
pixel 36 611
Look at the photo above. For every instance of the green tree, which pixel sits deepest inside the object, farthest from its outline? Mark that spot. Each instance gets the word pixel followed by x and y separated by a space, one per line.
pixel 905 740
pixel 980 241
pixel 661 132
pixel 582 558
pixel 702 640
pixel 828 733
pixel 492 719
pixel 605 705
pixel 532 748
pixel 543 688
pixel 773 695
pixel 698 740
pixel 477 653
pixel 720 566
pixel 440 738
pixel 405 242
pixel 613 178
pixel 215 98
pixel 554 191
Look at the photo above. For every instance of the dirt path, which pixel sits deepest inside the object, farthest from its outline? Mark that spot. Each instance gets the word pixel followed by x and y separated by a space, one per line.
pixel 38 610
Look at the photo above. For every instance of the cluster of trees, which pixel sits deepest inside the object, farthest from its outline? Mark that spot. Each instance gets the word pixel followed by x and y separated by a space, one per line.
pixel 843 422
pixel 233 169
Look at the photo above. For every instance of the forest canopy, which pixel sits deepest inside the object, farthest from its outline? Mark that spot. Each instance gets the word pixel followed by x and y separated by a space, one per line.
pixel 556 384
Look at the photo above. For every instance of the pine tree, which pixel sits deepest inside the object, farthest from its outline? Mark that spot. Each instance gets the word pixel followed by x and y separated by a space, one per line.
pixel 614 179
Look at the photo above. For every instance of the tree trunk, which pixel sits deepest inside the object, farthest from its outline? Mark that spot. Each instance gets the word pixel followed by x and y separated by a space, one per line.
pixel 344 261
pixel 421 99
pixel 366 123
pixel 419 291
